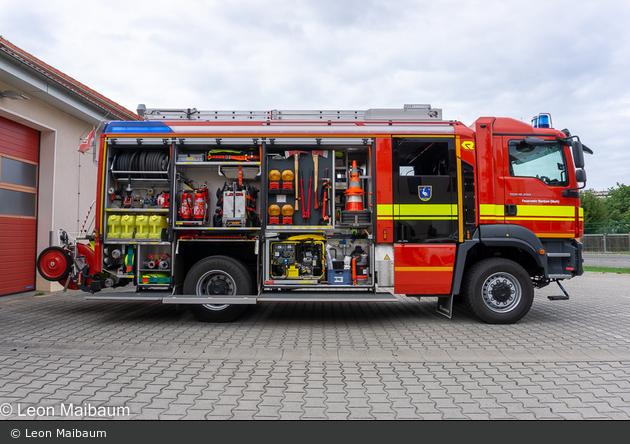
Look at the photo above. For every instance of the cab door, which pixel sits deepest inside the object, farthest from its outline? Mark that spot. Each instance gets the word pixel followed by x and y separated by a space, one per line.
pixel 535 176
pixel 424 214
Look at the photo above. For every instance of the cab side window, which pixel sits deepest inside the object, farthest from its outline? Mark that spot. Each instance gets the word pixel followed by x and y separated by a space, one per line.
pixel 545 163
pixel 423 159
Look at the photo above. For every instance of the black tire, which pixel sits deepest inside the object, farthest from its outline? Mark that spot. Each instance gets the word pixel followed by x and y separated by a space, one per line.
pixel 218 275
pixel 498 291
pixel 54 263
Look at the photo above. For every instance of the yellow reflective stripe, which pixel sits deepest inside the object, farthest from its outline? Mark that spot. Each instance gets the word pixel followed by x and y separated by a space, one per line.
pixel 491 210
pixel 546 210
pixel 554 235
pixel 425 218
pixel 417 212
pixel 385 210
pixel 425 210
pixel 561 219
pixel 423 268
pixel 543 212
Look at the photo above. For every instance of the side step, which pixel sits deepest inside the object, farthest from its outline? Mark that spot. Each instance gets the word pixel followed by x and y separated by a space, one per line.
pixel 320 296
pixel 559 298
pixel 217 300
pixel 297 296
pixel 129 296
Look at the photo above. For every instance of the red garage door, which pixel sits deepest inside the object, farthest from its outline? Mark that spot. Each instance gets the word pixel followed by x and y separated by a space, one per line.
pixel 19 155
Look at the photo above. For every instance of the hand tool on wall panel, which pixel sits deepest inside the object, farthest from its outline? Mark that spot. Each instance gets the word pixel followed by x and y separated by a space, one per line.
pixel 295 153
pixel 325 198
pixel 306 205
pixel 316 155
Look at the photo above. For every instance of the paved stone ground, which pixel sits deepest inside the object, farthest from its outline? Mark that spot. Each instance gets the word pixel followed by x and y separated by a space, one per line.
pixel 564 360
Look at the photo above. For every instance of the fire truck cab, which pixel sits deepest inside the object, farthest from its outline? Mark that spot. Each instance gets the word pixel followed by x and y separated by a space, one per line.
pixel 220 209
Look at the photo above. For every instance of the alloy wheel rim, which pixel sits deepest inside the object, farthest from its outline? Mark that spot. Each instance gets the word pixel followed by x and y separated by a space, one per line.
pixel 216 283
pixel 501 292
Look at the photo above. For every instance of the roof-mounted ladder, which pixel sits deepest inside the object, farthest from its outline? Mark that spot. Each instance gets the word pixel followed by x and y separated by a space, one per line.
pixel 409 112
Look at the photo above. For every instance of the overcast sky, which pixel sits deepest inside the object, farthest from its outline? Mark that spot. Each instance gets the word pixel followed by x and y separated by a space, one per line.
pixel 507 58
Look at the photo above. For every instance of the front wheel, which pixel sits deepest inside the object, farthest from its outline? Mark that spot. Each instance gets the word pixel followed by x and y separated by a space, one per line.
pixel 217 276
pixel 498 291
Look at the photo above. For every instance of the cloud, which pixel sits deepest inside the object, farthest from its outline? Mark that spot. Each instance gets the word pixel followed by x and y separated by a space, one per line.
pixel 470 58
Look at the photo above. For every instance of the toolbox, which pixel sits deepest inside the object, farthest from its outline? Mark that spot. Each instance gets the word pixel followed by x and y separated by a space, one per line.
pixel 339 277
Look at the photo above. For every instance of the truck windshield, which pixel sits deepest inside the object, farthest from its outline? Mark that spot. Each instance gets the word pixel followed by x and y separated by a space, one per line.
pixel 546 163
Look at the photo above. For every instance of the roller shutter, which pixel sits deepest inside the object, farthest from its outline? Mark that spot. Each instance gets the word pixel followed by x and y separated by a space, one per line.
pixel 19 156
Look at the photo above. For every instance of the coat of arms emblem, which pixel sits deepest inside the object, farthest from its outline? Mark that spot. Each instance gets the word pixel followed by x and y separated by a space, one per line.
pixel 424 193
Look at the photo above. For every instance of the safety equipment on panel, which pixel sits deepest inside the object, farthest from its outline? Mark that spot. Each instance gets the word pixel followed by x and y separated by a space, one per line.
pixel 233 155
pixel 200 208
pixel 185 206
pixel 354 193
pixel 274 214
pixel 274 179
pixel 287 214
pixel 163 200
pixel 236 206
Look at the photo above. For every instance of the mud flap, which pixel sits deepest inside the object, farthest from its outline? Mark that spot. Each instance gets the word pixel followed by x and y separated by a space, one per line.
pixel 445 306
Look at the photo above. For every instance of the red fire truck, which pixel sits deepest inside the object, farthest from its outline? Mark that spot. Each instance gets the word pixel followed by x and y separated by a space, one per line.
pixel 218 210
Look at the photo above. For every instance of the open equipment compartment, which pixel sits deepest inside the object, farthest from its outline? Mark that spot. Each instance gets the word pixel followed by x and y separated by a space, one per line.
pixel 137 206
pixel 217 183
pixel 318 226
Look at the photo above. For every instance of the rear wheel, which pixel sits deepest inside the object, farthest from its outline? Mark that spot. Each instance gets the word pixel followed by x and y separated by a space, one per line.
pixel 498 291
pixel 217 276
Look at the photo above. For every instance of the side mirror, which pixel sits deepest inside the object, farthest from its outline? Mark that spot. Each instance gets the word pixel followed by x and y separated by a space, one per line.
pixel 578 155
pixel 580 175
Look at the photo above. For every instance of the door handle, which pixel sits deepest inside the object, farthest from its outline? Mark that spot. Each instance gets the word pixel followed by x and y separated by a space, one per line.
pixel 510 210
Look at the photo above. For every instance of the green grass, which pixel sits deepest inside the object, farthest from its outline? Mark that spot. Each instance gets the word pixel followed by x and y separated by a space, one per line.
pixel 608 270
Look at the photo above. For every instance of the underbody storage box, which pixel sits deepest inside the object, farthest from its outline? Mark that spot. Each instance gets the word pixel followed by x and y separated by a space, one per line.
pixel 339 277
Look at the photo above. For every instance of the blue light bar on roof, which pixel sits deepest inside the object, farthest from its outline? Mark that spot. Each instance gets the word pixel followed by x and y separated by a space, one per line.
pixel 137 127
pixel 542 120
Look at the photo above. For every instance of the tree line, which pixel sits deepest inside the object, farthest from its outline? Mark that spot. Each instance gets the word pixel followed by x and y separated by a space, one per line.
pixel 606 215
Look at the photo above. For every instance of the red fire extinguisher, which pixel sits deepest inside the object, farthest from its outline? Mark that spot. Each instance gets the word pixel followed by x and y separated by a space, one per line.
pixel 185 209
pixel 162 200
pixel 201 204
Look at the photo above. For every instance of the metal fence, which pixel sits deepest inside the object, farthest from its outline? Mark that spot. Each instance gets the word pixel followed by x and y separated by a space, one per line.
pixel 606 243
pixel 607 228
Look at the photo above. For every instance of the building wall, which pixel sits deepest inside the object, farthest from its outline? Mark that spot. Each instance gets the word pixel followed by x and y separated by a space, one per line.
pixel 67 178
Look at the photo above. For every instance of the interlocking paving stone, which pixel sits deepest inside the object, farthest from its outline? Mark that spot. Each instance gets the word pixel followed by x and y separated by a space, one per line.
pixel 325 361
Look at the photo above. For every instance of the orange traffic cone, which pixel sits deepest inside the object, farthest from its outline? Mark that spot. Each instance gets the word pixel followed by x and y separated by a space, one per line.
pixel 354 193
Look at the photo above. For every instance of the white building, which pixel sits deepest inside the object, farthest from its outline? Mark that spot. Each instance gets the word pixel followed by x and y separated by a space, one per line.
pixel 45 182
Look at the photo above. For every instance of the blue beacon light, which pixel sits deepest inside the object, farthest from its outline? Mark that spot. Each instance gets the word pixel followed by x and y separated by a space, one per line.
pixel 542 120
